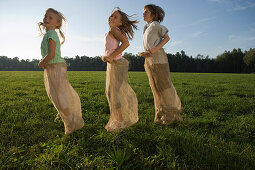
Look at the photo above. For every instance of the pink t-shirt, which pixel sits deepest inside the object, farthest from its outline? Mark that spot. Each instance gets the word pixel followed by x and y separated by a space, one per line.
pixel 110 45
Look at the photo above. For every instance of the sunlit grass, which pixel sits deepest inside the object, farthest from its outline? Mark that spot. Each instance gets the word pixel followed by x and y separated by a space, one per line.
pixel 218 129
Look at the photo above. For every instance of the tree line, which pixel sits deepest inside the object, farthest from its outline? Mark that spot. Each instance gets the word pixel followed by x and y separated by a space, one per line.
pixel 234 61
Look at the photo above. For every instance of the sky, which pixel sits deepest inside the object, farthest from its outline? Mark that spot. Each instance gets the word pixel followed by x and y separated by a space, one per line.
pixel 206 27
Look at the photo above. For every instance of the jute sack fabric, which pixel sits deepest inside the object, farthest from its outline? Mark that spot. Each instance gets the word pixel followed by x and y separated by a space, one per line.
pixel 64 98
pixel 121 97
pixel 167 102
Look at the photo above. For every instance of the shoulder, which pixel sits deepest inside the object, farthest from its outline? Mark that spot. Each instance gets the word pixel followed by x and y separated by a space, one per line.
pixel 155 23
pixel 115 30
pixel 52 32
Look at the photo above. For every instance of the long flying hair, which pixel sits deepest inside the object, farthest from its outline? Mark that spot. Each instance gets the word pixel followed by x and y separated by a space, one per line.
pixel 157 12
pixel 128 25
pixel 60 18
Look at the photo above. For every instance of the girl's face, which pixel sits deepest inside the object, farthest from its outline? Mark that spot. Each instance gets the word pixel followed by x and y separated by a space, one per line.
pixel 115 20
pixel 50 20
pixel 147 15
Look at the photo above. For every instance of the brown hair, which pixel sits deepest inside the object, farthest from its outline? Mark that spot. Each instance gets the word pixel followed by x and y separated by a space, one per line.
pixel 157 12
pixel 60 18
pixel 127 26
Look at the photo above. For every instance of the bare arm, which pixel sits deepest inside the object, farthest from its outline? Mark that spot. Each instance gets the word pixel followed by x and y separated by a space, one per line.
pixel 51 54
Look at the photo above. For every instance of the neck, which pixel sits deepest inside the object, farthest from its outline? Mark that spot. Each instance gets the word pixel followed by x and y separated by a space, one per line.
pixel 149 21
pixel 112 27
pixel 50 28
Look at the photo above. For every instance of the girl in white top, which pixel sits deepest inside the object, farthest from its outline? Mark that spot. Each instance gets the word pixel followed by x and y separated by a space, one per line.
pixel 166 100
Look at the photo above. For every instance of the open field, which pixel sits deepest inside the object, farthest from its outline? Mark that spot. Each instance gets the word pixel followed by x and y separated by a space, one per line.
pixel 218 131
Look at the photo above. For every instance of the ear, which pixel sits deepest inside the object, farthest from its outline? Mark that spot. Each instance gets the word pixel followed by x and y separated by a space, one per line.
pixel 153 16
pixel 58 25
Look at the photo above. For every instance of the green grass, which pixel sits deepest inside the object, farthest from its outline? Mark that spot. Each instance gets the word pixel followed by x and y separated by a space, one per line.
pixel 218 131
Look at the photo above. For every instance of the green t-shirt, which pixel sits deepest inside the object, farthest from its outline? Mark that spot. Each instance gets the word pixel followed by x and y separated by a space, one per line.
pixel 51 34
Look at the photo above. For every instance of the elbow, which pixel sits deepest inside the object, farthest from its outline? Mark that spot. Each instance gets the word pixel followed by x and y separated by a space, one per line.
pixel 167 39
pixel 127 43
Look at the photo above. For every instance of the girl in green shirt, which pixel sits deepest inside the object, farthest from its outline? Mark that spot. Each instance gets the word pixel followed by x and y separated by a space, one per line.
pixel 61 93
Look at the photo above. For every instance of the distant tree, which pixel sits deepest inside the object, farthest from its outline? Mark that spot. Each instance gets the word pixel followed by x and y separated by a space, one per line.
pixel 223 62
pixel 231 62
pixel 3 60
pixel 236 60
pixel 136 63
pixel 228 62
pixel 249 60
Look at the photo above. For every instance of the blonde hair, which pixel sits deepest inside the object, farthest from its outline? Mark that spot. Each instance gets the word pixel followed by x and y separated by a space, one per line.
pixel 60 18
pixel 127 26
pixel 157 12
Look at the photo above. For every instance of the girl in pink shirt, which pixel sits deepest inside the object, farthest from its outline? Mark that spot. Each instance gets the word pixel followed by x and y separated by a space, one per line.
pixel 121 97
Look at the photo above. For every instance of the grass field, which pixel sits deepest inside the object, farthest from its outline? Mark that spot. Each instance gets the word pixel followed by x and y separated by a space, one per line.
pixel 218 131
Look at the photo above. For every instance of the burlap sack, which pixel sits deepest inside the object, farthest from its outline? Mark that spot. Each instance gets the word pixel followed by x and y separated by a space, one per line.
pixel 121 97
pixel 166 101
pixel 64 98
